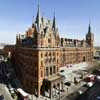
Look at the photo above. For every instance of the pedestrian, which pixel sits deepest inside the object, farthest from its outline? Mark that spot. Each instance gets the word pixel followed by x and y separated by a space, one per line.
pixel 1 97
pixel 67 90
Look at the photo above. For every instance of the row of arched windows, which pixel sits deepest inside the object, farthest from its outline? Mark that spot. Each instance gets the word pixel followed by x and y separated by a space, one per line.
pixel 51 70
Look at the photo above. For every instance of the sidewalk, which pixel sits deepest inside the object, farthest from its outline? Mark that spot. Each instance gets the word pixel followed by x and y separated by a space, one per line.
pixel 5 92
pixel 72 89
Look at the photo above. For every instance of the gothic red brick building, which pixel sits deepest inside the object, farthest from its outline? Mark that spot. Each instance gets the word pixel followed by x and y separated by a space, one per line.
pixel 40 52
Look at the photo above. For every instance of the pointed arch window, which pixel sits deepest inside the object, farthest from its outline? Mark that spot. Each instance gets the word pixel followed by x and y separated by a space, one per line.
pixel 49 40
pixel 41 73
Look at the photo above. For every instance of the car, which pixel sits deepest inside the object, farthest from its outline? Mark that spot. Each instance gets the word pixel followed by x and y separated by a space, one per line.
pixel 98 77
pixel 96 72
pixel 82 90
pixel 98 97
pixel 62 90
pixel 90 78
pixel 85 85
pixel 62 71
pixel 90 84
pixel 67 83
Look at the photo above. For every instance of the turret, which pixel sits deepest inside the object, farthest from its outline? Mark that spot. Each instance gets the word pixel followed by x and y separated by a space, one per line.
pixel 18 39
pixel 83 43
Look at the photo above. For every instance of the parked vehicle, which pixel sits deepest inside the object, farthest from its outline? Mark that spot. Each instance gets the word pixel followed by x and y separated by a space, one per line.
pixel 98 77
pixel 98 97
pixel 90 78
pixel 96 72
pixel 82 90
pixel 62 71
pixel 68 83
pixel 90 84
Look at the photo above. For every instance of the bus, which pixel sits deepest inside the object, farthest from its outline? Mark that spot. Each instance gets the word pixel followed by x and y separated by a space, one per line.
pixel 22 95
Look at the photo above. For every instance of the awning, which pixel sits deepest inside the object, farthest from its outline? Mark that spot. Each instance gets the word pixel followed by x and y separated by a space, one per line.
pixel 55 77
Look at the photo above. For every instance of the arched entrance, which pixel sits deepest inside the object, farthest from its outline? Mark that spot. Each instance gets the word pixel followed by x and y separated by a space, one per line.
pixel 84 58
pixel 45 87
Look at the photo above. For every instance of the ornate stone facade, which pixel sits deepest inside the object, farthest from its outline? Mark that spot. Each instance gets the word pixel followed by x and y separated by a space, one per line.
pixel 41 52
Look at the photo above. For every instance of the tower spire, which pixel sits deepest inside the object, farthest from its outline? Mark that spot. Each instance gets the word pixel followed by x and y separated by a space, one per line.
pixel 54 22
pixel 89 28
pixel 38 18
pixel 38 5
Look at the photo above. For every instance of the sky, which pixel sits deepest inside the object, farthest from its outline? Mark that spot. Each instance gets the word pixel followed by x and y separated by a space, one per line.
pixel 72 17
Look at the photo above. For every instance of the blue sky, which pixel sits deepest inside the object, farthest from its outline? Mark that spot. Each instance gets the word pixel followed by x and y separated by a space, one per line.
pixel 72 17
